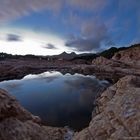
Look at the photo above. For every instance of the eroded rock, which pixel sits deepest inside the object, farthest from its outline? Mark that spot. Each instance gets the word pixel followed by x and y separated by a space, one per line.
pixel 119 113
pixel 129 56
pixel 16 123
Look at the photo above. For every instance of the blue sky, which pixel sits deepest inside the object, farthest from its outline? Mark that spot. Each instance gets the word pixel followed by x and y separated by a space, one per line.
pixel 46 27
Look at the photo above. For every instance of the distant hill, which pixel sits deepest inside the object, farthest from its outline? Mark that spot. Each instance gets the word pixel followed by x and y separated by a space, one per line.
pixel 88 57
pixel 111 52
pixel 4 56
pixel 64 56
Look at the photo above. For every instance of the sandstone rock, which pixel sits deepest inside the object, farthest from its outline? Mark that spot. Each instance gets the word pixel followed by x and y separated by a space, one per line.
pixel 101 61
pixel 119 113
pixel 129 56
pixel 112 69
pixel 16 123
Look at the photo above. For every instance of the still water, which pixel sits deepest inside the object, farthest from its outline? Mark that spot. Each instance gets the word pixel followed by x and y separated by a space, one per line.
pixel 60 100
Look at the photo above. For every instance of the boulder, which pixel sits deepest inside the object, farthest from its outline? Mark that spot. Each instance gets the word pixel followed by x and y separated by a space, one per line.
pixel 16 123
pixel 101 61
pixel 129 56
pixel 118 113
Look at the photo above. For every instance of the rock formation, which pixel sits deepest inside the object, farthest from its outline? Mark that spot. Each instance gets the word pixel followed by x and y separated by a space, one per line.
pixel 129 56
pixel 126 62
pixel 118 115
pixel 18 124
pixel 102 61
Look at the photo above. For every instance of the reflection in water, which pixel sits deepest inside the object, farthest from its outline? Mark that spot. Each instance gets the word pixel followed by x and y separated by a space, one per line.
pixel 60 100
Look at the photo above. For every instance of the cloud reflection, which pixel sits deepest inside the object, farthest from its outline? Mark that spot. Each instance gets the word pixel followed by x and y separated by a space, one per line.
pixel 58 99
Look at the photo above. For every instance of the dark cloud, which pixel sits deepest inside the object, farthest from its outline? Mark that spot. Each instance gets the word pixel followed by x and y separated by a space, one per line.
pixel 13 37
pixel 93 34
pixel 50 46
pixel 82 44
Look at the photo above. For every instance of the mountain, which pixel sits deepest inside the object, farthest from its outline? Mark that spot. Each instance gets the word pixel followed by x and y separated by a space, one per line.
pixel 87 56
pixel 65 56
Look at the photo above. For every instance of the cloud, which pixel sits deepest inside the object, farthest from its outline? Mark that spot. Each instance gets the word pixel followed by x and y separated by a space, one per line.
pixel 80 17
pixel 93 33
pixel 50 46
pixel 10 9
pixel 88 4
pixel 82 44
pixel 99 31
pixel 13 37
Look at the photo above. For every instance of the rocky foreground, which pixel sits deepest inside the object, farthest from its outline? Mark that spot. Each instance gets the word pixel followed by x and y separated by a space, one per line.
pixel 118 116
pixel 117 113
pixel 16 123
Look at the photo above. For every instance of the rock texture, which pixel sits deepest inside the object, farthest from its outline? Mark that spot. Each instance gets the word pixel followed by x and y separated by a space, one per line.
pixel 129 56
pixel 102 61
pixel 118 114
pixel 18 124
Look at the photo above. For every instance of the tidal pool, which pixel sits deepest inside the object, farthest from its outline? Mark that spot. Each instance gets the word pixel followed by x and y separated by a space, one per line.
pixel 60 100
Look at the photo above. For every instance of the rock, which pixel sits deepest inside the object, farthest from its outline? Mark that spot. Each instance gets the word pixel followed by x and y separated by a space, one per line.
pixel 101 61
pixel 16 123
pixel 69 134
pixel 112 70
pixel 119 113
pixel 129 56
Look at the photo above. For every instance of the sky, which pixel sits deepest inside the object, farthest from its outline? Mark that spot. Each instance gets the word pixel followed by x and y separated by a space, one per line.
pixel 48 27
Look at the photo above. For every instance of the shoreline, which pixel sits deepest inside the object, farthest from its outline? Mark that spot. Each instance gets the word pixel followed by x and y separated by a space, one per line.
pixel 110 73
pixel 127 82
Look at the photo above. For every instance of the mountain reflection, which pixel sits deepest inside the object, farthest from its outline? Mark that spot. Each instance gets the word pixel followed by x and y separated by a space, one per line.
pixel 60 100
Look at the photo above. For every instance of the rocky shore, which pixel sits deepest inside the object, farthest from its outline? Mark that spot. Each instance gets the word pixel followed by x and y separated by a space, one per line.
pixel 112 71
pixel 116 117
pixel 16 123
pixel 123 63
pixel 117 113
